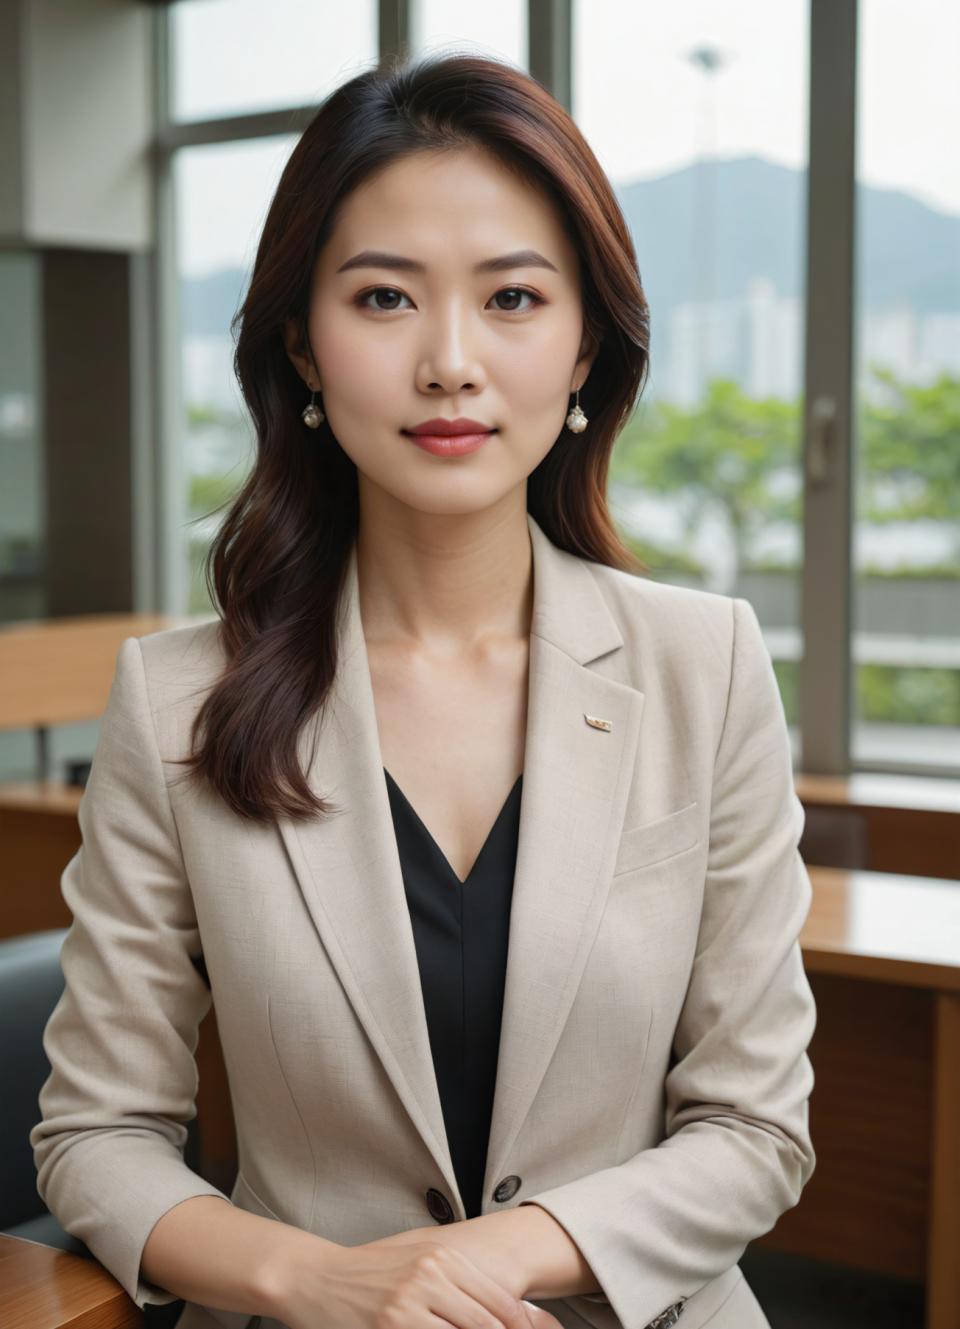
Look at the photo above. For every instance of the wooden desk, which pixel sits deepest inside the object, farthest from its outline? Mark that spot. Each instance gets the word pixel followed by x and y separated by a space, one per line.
pixel 42 1287
pixel 58 670
pixel 882 823
pixel 882 952
pixel 39 834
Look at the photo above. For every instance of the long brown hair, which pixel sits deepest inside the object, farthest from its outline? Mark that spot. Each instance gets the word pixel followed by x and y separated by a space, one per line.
pixel 277 565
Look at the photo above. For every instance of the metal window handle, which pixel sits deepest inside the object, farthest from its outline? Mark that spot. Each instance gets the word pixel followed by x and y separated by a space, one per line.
pixel 820 445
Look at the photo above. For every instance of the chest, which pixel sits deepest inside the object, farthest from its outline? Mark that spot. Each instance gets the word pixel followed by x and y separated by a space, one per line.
pixel 452 738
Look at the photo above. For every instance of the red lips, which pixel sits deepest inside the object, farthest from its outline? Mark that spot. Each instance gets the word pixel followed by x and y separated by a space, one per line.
pixel 447 428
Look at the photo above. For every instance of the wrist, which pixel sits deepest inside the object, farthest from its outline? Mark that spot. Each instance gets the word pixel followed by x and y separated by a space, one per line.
pixel 290 1260
pixel 502 1234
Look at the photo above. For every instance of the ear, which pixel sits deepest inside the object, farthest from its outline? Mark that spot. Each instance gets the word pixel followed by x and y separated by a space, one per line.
pixel 302 363
pixel 589 349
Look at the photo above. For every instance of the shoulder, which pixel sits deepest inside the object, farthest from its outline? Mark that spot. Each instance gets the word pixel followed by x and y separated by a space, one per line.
pixel 683 626
pixel 191 649
pixel 180 665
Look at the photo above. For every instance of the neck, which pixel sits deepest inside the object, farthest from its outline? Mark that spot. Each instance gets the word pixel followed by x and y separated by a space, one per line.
pixel 446 585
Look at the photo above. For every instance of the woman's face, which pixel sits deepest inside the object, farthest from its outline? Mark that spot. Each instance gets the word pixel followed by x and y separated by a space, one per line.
pixel 396 346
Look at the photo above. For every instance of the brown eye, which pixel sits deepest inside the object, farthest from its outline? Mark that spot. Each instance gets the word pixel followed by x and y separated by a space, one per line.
pixel 378 290
pixel 517 290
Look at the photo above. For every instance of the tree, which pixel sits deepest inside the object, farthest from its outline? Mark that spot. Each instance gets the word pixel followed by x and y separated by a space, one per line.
pixel 731 451
pixel 910 452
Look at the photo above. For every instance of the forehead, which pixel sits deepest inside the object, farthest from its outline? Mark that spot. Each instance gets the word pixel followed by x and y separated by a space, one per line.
pixel 449 210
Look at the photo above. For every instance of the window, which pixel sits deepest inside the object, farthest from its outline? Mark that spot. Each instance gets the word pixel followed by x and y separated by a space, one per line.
pixel 906 643
pixel 236 56
pixel 245 61
pixel 22 494
pixel 215 248
pixel 698 114
pixel 498 29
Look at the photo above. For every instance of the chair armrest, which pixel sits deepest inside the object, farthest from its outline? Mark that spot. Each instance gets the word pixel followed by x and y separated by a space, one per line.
pixel 47 1288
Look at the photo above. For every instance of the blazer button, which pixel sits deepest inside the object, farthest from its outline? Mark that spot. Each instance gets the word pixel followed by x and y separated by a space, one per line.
pixel 439 1206
pixel 507 1189
pixel 668 1317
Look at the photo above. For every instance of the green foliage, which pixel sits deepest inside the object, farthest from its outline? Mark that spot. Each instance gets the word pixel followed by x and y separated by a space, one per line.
pixel 210 492
pixel 661 560
pixel 199 601
pixel 741 455
pixel 738 454
pixel 788 677
pixel 901 571
pixel 910 448
pixel 919 572
pixel 199 414
pixel 725 452
pixel 890 695
pixel 887 694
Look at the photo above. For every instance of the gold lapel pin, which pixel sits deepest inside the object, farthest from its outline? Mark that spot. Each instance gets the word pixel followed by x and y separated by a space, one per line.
pixel 597 723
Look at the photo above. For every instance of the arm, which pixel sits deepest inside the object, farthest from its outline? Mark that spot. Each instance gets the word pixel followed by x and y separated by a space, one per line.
pixel 121 1039
pixel 221 1255
pixel 737 1150
pixel 524 1249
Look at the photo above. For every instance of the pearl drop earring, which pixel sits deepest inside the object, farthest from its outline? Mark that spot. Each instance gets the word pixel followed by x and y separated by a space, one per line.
pixel 311 414
pixel 576 420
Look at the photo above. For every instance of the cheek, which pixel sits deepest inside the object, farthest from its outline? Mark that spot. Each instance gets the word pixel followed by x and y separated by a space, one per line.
pixel 366 395
pixel 536 373
pixel 358 368
pixel 536 394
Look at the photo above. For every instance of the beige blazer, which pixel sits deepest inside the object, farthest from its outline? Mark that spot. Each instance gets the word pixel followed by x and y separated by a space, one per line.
pixel 652 1086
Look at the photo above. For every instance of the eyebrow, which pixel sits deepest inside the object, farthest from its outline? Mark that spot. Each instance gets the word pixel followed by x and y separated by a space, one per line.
pixel 374 258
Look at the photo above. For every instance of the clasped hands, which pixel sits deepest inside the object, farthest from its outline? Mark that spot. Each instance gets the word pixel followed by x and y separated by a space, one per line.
pixel 495 1243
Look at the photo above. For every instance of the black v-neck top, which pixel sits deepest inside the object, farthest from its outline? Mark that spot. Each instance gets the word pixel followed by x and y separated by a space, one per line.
pixel 461 932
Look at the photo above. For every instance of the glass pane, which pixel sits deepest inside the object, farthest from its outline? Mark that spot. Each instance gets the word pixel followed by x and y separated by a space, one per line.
pixel 222 193
pixel 22 494
pixel 906 645
pixel 698 114
pixel 231 57
pixel 498 29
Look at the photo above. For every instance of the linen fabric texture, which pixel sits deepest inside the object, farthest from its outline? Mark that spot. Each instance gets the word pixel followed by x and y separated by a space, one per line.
pixel 652 1081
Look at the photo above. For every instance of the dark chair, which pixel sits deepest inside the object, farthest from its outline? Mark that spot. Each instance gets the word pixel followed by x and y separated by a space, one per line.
pixel 31 982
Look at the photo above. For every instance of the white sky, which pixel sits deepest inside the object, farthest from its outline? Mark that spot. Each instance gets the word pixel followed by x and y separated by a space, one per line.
pixel 644 107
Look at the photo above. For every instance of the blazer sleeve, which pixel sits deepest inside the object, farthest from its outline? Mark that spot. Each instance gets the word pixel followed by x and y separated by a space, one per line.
pixel 122 1037
pixel 737 1150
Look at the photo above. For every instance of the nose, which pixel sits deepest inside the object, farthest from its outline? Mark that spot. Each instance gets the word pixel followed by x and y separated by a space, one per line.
pixel 447 362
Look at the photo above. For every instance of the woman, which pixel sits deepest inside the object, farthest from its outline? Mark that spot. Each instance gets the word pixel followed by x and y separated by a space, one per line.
pixel 488 844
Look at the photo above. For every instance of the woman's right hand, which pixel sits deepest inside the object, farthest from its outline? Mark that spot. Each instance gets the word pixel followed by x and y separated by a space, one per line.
pixel 416 1285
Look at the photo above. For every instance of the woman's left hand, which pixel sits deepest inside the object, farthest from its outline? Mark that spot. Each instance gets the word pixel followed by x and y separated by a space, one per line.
pixel 486 1242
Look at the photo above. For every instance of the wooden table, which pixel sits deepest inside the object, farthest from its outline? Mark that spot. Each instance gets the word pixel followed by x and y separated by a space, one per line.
pixel 45 1288
pixel 882 952
pixel 882 822
pixel 58 671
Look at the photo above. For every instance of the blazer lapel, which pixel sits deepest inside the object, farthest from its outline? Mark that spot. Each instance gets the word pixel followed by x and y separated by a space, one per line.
pixel 576 780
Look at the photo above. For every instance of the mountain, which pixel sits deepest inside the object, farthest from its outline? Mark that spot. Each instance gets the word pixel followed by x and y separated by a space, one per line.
pixel 756 222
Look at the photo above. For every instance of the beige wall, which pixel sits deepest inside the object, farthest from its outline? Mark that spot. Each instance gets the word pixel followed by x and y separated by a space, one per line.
pixel 76 121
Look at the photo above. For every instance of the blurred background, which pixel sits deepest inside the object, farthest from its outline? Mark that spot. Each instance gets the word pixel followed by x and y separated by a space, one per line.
pixel 803 274
pixel 790 175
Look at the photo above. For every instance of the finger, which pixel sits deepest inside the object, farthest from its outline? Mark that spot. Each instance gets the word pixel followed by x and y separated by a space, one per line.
pixel 462 1286
pixel 540 1318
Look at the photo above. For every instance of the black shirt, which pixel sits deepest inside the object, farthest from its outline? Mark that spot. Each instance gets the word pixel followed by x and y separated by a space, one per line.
pixel 461 932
